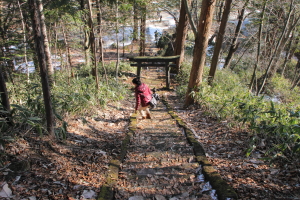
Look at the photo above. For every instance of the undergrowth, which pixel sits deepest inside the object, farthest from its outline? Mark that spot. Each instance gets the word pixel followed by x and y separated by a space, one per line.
pixel 76 95
pixel 274 124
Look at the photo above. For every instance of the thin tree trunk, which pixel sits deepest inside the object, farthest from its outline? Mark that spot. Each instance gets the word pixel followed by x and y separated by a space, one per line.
pixel 219 42
pixel 181 32
pixel 92 44
pixel 3 91
pixel 296 83
pixel 258 46
pixel 220 11
pixel 193 26
pixel 234 44
pixel 46 41
pixel 117 37
pixel 143 31
pixel 135 22
pixel 40 50
pixel 99 18
pixel 86 32
pixel 201 43
pixel 278 46
pixel 69 60
pixel 279 51
pixel 24 40
pixel 287 54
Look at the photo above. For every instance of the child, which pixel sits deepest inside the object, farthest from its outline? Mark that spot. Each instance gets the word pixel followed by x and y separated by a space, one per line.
pixel 143 97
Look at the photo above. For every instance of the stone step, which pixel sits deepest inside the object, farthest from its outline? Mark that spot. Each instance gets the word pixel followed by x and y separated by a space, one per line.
pixel 154 167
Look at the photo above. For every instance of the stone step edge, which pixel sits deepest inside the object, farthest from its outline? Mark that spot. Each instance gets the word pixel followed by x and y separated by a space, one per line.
pixel 223 190
pixel 107 191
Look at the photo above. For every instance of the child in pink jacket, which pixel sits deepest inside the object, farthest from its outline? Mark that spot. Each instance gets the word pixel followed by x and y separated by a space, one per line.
pixel 143 97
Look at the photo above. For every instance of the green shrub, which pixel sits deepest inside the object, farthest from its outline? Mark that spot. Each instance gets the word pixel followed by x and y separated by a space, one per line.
pixel 228 98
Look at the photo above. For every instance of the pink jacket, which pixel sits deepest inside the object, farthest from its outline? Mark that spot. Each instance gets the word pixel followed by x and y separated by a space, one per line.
pixel 142 95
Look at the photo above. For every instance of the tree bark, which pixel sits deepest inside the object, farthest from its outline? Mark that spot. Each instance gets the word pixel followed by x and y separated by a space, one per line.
pixel 46 41
pixel 86 32
pixel 69 60
pixel 193 26
pixel 93 44
pixel 258 46
pixel 135 22
pixel 4 97
pixel 40 51
pixel 99 19
pixel 117 38
pixel 24 39
pixel 218 45
pixel 234 44
pixel 181 32
pixel 200 48
pixel 143 31
pixel 278 49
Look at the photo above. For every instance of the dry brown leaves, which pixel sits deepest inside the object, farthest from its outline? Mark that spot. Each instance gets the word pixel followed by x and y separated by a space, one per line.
pixel 251 177
pixel 72 169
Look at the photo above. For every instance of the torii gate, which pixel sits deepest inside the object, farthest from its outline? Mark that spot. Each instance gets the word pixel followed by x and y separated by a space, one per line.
pixel 147 61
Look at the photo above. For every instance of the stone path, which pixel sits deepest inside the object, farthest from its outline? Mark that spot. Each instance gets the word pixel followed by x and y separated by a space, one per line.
pixel 160 163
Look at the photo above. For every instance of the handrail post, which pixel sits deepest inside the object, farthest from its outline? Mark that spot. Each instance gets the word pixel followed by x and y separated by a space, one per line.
pixel 167 75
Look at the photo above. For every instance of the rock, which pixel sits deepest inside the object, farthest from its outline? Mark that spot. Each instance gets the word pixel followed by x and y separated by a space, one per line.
pixel 88 194
pixel 136 198
pixel 6 191
pixel 159 197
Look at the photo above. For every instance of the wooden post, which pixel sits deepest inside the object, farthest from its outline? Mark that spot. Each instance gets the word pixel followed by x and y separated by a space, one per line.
pixel 167 75
pixel 139 67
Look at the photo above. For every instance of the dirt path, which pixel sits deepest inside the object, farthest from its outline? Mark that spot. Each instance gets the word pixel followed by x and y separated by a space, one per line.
pixel 160 163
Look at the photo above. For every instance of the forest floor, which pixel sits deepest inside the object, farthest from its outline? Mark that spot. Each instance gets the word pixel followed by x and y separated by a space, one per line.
pixel 39 168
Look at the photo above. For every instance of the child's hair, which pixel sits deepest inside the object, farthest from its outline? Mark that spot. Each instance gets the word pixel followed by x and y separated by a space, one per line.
pixel 136 81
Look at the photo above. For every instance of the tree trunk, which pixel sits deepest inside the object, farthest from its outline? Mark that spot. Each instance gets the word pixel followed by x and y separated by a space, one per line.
pixel 234 44
pixel 190 18
pixel 69 60
pixel 135 22
pixel 4 98
pixel 200 48
pixel 278 49
pixel 93 44
pixel 46 41
pixel 296 78
pixel 99 19
pixel 218 45
pixel 143 31
pixel 181 32
pixel 258 46
pixel 40 51
pixel 287 54
pixel 220 11
pixel 24 39
pixel 117 37
pixel 86 32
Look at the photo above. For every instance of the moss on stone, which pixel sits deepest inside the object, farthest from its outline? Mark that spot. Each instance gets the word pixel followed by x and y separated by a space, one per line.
pixel 223 190
pixel 106 193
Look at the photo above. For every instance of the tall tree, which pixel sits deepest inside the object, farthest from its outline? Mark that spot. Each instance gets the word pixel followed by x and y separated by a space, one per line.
pixel 143 15
pixel 181 32
pixel 135 22
pixel 219 42
pixel 201 43
pixel 92 43
pixel 40 51
pixel 46 41
pixel 283 38
pixel 234 44
pixel 258 45
pixel 4 96
pixel 99 30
